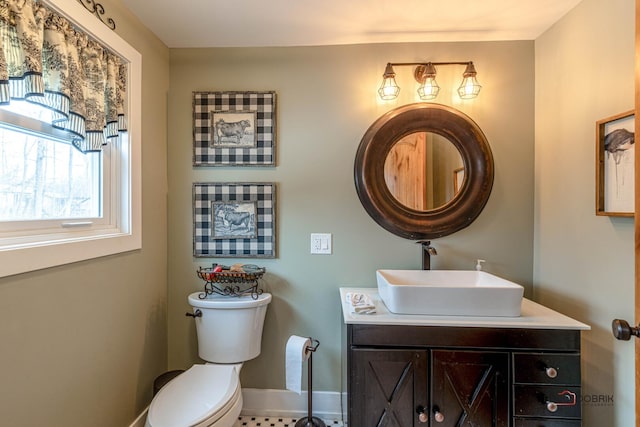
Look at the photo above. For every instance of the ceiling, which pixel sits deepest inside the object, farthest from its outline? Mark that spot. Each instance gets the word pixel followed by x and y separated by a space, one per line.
pixel 243 23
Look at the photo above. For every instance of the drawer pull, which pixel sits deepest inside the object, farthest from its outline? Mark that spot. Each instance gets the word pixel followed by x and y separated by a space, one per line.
pixel 571 396
pixel 551 372
pixel 438 416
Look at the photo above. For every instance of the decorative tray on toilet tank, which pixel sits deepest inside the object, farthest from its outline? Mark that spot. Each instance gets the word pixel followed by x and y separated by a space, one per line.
pixel 233 281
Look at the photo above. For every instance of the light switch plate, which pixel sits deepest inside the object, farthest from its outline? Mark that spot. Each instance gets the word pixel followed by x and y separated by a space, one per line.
pixel 321 243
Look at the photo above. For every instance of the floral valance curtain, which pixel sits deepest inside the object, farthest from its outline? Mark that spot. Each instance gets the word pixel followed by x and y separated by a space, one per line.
pixel 45 60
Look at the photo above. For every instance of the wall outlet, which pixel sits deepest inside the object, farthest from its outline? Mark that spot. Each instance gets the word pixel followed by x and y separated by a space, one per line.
pixel 321 243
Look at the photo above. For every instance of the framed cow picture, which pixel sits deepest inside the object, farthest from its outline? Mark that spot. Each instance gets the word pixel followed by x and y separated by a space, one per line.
pixel 234 220
pixel 234 128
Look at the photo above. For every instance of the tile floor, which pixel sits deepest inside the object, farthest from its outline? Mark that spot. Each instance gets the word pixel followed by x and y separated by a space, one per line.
pixel 251 421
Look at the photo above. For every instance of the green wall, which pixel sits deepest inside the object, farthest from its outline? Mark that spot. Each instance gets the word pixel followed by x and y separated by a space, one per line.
pixel 82 343
pixel 326 101
pixel 583 262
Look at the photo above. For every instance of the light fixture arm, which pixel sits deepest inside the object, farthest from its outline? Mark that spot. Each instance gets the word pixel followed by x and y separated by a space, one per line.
pixel 413 64
pixel 423 69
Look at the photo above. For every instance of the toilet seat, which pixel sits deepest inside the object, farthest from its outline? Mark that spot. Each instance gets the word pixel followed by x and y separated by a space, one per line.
pixel 200 396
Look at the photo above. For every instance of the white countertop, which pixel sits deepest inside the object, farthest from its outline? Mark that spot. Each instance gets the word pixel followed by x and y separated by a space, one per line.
pixel 533 316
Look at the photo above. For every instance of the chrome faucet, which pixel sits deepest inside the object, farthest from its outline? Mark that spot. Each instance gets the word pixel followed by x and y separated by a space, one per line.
pixel 427 252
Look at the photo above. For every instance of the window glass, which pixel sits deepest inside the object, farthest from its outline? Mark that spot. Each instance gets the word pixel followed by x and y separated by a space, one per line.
pixel 43 178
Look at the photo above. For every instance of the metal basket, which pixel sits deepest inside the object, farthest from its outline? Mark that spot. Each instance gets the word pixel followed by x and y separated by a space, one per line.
pixel 231 283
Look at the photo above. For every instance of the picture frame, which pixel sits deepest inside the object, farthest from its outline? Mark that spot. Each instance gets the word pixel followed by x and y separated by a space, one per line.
pixel 234 128
pixel 615 170
pixel 234 219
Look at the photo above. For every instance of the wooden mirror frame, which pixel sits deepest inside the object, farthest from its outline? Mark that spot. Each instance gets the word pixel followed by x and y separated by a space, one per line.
pixel 460 211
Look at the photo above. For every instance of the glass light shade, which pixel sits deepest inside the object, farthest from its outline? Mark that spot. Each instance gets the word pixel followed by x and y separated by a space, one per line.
pixel 429 89
pixel 389 89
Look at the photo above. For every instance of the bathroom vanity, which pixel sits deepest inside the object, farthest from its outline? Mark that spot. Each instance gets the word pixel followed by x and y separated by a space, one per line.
pixel 418 370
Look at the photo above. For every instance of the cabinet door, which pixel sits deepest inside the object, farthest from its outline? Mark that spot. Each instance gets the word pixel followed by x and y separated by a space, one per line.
pixel 387 386
pixel 470 388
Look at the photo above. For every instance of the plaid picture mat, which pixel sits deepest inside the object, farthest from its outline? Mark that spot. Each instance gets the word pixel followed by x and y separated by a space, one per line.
pixel 263 245
pixel 264 106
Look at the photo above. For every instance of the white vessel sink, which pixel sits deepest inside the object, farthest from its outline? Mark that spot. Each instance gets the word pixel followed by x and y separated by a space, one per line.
pixel 449 293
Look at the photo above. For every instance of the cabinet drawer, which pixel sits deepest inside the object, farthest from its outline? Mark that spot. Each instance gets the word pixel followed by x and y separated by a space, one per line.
pixel 546 423
pixel 546 401
pixel 545 368
pixel 479 338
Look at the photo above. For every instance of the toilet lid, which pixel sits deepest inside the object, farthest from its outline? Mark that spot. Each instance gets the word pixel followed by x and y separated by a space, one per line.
pixel 222 302
pixel 194 396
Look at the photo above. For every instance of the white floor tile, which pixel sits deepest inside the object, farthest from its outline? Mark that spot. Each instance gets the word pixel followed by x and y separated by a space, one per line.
pixel 251 421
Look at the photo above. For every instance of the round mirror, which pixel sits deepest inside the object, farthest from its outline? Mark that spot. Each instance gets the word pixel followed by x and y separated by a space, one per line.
pixel 423 171
pixel 442 195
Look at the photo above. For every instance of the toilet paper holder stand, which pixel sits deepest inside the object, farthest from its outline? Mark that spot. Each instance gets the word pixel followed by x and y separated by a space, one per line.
pixel 310 420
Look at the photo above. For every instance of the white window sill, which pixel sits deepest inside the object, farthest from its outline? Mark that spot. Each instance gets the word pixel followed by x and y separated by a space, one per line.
pixel 16 260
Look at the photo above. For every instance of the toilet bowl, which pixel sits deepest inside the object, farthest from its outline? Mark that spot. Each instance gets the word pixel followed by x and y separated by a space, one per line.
pixel 204 395
pixel 229 331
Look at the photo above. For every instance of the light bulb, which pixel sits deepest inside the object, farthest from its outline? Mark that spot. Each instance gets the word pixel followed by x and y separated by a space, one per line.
pixel 429 89
pixel 389 89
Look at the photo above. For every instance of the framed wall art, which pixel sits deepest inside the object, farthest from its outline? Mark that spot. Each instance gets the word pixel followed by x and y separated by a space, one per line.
pixel 615 148
pixel 234 220
pixel 234 128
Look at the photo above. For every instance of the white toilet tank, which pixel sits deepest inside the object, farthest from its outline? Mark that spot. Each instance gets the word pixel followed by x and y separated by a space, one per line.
pixel 230 328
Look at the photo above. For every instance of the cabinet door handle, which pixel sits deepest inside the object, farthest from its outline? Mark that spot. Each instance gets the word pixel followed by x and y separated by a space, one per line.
pixel 437 415
pixel 422 414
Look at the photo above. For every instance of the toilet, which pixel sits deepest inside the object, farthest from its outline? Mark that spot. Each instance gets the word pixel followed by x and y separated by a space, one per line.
pixel 229 331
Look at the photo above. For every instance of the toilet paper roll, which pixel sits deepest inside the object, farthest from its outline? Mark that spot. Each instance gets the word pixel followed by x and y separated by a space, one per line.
pixel 296 355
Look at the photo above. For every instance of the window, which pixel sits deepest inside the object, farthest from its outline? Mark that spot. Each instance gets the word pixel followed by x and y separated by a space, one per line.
pixel 44 177
pixel 63 196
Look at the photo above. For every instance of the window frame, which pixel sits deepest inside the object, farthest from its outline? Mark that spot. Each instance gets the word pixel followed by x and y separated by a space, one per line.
pixel 123 232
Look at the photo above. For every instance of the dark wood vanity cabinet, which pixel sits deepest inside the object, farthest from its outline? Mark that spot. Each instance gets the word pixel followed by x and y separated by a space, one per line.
pixel 387 386
pixel 403 376
pixel 469 388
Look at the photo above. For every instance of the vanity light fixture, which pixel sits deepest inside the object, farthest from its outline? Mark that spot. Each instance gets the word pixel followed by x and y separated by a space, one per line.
pixel 469 88
pixel 389 89
pixel 425 75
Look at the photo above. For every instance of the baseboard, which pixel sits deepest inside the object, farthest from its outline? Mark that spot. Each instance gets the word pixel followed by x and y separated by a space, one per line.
pixel 267 403
pixel 261 402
